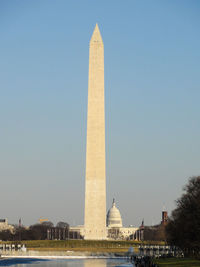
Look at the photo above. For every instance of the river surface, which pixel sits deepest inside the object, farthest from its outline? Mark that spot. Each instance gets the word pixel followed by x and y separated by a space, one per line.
pixel 24 262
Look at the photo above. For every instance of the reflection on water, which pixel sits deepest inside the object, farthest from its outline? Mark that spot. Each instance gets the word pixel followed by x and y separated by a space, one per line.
pixel 102 263
pixel 61 263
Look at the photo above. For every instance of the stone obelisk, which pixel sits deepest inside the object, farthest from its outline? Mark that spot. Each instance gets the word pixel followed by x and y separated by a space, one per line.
pixel 95 181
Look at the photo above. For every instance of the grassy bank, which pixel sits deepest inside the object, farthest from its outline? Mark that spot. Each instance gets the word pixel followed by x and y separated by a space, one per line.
pixel 177 262
pixel 83 245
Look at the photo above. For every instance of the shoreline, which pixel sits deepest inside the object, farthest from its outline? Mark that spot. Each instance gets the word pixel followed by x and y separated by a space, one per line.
pixel 63 257
pixel 68 254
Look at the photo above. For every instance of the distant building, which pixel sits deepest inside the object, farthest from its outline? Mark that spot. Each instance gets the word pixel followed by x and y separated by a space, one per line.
pixel 63 233
pixel 115 229
pixel 164 217
pixel 154 232
pixel 5 226
pixel 139 234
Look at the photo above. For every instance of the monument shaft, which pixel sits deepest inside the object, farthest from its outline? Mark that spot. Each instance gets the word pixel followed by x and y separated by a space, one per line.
pixel 95 182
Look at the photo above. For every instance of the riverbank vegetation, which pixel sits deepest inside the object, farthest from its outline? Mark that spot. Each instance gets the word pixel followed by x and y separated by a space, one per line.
pixel 179 262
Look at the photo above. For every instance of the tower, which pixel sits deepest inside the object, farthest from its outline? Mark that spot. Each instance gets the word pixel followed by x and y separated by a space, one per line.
pixel 164 217
pixel 95 180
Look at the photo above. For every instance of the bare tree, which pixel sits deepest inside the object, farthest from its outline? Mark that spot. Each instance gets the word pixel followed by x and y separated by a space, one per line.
pixel 183 229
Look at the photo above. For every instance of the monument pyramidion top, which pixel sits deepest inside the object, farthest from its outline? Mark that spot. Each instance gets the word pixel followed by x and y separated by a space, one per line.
pixel 96 36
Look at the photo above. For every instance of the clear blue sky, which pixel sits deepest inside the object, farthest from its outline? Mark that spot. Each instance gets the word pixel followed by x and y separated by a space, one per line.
pixel 152 85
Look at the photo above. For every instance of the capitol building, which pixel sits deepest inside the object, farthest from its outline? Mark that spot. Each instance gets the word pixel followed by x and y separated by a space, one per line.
pixel 114 226
pixel 115 229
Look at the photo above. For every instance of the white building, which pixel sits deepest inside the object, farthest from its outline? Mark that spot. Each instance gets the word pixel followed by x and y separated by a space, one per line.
pixel 115 229
pixel 5 226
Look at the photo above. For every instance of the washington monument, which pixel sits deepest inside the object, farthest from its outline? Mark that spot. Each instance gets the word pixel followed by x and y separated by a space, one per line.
pixel 95 181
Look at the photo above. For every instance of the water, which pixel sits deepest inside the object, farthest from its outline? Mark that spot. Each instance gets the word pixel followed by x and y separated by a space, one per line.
pixel 20 262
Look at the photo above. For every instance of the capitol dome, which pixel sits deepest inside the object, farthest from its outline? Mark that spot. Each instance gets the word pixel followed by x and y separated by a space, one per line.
pixel 114 217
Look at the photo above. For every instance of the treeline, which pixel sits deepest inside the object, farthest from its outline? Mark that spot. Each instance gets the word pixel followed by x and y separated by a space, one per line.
pixel 34 232
pixel 183 228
